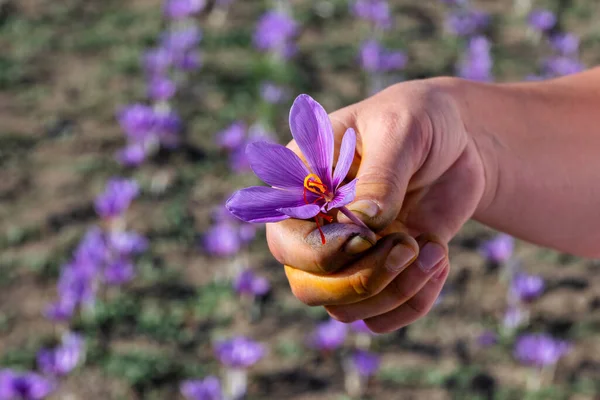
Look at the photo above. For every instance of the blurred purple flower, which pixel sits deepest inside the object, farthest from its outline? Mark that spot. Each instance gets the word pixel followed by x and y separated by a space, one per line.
pixel 63 359
pixel 24 385
pixel 191 60
pixel 181 40
pixel 328 335
pixel 541 19
pixel 361 327
pixel 60 311
pixel 161 88
pixel 514 317
pixel 567 44
pixel 247 282
pixel 561 66
pixel 232 137
pixel 126 243
pixel 526 287
pixel 119 272
pixel 239 352
pixel 168 127
pixel 157 60
pixel 297 192
pixel 116 198
pixel 92 248
pixel 137 121
pixel 487 339
pixel 375 58
pixel 179 9
pixel 222 240
pixel 366 363
pixel 540 350
pixel 375 11
pixel 247 232
pixel 208 388
pixel 275 33
pixel 132 155
pixel 477 62
pixel 272 93
pixel 499 249
pixel 467 22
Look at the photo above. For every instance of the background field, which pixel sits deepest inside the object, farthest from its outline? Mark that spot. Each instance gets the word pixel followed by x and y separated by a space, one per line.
pixel 65 67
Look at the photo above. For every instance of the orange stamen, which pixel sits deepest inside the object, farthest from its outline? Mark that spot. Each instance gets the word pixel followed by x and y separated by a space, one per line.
pixel 313 184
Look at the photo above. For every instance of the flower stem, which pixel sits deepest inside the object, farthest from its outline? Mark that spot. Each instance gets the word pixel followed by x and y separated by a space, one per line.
pixel 353 218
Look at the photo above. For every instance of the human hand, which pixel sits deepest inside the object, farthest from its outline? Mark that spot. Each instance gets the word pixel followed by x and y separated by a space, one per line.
pixel 420 178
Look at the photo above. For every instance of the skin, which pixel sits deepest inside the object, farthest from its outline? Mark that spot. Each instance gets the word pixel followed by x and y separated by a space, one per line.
pixel 431 154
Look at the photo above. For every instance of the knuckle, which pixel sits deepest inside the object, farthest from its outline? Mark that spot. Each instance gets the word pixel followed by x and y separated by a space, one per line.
pixel 362 284
pixel 399 290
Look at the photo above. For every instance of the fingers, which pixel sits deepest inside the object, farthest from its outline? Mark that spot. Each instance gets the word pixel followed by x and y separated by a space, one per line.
pixel 431 262
pixel 362 279
pixel 415 308
pixel 298 243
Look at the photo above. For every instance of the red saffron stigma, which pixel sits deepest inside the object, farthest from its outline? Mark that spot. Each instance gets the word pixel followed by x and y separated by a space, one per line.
pixel 313 184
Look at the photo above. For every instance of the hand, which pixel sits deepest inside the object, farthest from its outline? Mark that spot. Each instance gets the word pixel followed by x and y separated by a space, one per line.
pixel 420 178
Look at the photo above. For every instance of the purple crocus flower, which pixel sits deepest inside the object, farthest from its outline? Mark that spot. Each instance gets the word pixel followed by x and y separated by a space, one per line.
pixel 247 282
pixel 540 350
pixel 360 326
pixel 296 191
pixel 132 155
pixel 191 60
pixel 467 22
pixel 91 250
pixel 374 11
pixel 527 287
pixel 239 352
pixel 161 88
pixel 499 249
pixel 208 388
pixel 179 9
pixel 329 335
pixel 222 240
pixel 157 60
pixel 566 44
pixel 272 93
pixel 275 32
pixel 487 339
pixel 24 385
pixel 137 120
pixel 366 363
pixel 63 359
pixel 116 198
pixel 513 318
pixel 477 62
pixel 119 271
pixel 561 66
pixel 232 137
pixel 375 58
pixel 181 40
pixel 126 243
pixel 541 19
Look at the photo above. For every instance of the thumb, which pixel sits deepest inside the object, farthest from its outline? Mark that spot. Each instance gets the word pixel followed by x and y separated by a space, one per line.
pixel 390 148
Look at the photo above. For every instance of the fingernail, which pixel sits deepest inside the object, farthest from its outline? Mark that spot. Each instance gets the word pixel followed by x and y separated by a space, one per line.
pixel 440 274
pixel 399 258
pixel 357 245
pixel 366 207
pixel 431 254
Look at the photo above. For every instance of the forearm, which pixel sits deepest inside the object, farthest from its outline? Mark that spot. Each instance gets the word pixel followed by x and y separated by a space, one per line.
pixel 540 145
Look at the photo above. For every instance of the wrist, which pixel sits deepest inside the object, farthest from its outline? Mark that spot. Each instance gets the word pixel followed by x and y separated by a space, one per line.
pixel 471 98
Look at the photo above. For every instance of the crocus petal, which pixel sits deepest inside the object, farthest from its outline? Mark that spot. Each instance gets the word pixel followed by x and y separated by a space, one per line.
pixel 276 165
pixel 346 157
pixel 260 203
pixel 313 133
pixel 344 195
pixel 306 211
